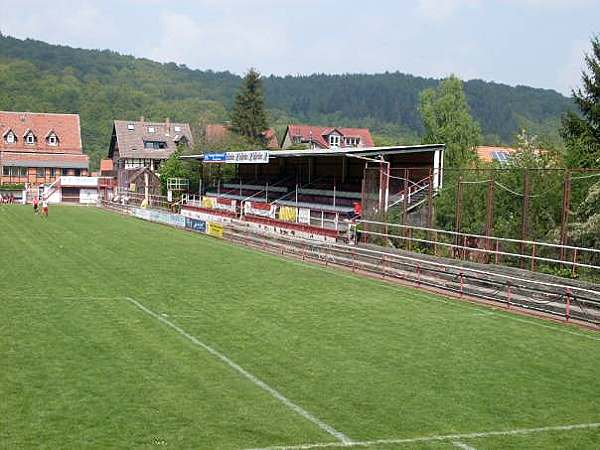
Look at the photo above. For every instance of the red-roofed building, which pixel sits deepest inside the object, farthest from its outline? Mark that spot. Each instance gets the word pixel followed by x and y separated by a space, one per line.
pixel 36 148
pixel 326 137
pixel 498 154
pixel 216 133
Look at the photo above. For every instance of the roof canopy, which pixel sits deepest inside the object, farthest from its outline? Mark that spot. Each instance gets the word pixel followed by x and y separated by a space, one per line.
pixel 348 151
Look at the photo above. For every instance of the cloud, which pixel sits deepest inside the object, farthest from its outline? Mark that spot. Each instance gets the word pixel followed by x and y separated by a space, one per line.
pixel 225 42
pixel 59 21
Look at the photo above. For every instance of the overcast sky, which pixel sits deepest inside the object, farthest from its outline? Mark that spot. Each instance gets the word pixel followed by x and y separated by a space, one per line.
pixel 533 42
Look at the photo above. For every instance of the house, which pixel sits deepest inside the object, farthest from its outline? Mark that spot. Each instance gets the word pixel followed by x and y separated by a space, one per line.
pixel 326 137
pixel 217 133
pixel 37 148
pixel 490 154
pixel 138 144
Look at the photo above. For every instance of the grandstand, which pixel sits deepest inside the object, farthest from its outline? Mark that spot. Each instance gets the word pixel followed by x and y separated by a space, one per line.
pixel 320 191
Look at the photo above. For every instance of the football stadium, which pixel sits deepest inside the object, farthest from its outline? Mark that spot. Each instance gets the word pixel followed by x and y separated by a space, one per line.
pixel 230 347
pixel 362 255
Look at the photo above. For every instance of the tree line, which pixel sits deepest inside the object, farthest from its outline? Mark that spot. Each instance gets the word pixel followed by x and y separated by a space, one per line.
pixel 104 85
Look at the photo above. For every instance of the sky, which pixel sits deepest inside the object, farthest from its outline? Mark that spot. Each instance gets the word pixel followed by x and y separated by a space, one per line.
pixel 538 43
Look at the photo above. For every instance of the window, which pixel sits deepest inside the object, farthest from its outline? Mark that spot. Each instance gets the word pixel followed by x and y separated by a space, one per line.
pixel 40 172
pixel 8 171
pixel 151 130
pixel 131 127
pixel 30 138
pixel 77 172
pixel 10 138
pixel 52 140
pixel 54 172
pixel 155 145
pixel 334 140
pixel 177 129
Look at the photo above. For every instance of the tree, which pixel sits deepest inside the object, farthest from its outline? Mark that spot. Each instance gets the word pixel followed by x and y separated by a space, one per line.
pixel 173 168
pixel 582 133
pixel 447 120
pixel 249 117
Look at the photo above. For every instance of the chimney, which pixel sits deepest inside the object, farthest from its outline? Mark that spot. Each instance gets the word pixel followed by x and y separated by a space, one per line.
pixel 142 120
pixel 168 126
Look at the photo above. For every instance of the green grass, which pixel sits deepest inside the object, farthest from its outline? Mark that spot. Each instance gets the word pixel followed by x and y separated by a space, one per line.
pixel 83 367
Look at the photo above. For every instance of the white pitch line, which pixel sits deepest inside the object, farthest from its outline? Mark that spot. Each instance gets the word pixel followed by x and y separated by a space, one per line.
pixel 447 437
pixel 341 437
pixel 463 446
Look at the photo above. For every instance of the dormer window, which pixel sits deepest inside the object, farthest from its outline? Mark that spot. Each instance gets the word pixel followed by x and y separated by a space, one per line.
pixel 177 129
pixel 130 127
pixel 151 130
pixel 10 137
pixel 334 140
pixel 29 138
pixel 52 139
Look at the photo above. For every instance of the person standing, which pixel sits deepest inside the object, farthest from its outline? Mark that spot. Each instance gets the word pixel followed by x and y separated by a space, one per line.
pixel 36 203
pixel 45 208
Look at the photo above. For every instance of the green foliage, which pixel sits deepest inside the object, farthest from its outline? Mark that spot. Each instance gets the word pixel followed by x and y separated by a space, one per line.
pixel 12 187
pixel 102 86
pixel 447 119
pixel 582 133
pixel 172 168
pixel 509 181
pixel 586 230
pixel 249 117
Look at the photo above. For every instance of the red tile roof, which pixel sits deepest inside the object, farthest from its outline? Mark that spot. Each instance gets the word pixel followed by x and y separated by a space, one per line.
pixel 318 135
pixel 216 132
pixel 65 126
pixel 106 165
pixel 485 153
pixel 39 159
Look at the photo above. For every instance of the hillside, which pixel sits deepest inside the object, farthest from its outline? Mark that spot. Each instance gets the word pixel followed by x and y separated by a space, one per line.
pixel 104 85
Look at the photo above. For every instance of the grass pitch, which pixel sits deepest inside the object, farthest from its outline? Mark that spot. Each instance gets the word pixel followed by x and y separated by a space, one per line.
pixel 83 366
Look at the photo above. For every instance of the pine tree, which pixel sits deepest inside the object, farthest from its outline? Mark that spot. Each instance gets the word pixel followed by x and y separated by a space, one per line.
pixel 582 133
pixel 249 117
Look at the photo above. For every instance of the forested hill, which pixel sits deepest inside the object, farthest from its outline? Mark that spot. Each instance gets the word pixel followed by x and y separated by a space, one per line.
pixel 104 85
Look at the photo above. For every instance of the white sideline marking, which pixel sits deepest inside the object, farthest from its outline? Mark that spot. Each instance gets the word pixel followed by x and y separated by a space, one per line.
pixel 447 437
pixel 342 438
pixel 463 446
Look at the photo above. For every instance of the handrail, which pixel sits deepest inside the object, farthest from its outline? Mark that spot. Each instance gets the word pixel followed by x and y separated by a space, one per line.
pixel 479 236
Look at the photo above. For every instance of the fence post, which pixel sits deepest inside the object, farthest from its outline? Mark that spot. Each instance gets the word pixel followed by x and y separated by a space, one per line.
pixel 497 250
pixel 353 260
pixel 574 271
pixel 462 285
pixel 418 275
pixel 533 258
pixel 383 264
pixel 508 295
pixel 568 306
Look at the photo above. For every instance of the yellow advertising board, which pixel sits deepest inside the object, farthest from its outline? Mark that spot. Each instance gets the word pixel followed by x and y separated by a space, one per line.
pixel 209 202
pixel 215 229
pixel 288 213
